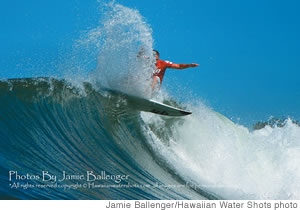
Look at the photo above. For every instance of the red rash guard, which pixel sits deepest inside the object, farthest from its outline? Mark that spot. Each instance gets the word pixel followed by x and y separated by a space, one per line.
pixel 161 67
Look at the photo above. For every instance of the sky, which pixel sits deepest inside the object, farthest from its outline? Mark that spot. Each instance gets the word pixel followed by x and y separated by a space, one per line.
pixel 248 51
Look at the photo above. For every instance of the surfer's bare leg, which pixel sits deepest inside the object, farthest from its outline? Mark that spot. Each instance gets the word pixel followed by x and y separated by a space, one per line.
pixel 155 85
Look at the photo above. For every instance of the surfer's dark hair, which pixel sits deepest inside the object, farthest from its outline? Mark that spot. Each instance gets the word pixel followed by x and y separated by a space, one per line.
pixel 157 53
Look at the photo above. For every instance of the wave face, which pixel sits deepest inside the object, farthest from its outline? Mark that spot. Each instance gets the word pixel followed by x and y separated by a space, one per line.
pixel 48 125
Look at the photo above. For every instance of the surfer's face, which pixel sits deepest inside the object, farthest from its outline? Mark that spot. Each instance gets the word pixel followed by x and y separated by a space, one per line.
pixel 156 55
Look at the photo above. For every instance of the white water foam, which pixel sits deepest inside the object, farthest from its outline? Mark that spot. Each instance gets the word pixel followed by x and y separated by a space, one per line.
pixel 230 161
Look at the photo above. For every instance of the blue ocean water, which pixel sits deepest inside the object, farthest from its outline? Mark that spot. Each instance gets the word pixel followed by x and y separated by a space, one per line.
pixel 48 126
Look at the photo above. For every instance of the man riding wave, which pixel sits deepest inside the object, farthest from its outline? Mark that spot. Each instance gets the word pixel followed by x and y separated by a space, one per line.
pixel 160 69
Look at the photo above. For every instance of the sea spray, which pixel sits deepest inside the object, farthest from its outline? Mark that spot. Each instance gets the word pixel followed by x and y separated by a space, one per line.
pixel 124 34
pixel 109 54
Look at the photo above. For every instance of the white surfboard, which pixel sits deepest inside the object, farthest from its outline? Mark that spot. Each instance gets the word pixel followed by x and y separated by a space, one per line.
pixel 155 107
pixel 158 108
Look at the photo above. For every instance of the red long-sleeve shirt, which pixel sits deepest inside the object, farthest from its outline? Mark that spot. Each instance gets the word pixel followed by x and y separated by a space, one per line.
pixel 161 67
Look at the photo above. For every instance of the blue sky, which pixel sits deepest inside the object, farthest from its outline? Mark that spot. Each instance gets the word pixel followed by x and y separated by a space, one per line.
pixel 248 50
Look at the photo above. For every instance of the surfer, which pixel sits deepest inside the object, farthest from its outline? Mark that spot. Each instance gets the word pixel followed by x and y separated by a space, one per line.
pixel 160 69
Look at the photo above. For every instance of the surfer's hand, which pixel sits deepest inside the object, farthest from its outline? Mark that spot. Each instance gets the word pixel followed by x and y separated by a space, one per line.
pixel 194 65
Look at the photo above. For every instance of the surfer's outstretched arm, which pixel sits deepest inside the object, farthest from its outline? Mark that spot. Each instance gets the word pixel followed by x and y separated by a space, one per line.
pixel 182 66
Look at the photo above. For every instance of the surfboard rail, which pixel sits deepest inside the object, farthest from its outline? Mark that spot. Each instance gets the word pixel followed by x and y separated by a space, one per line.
pixel 150 105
